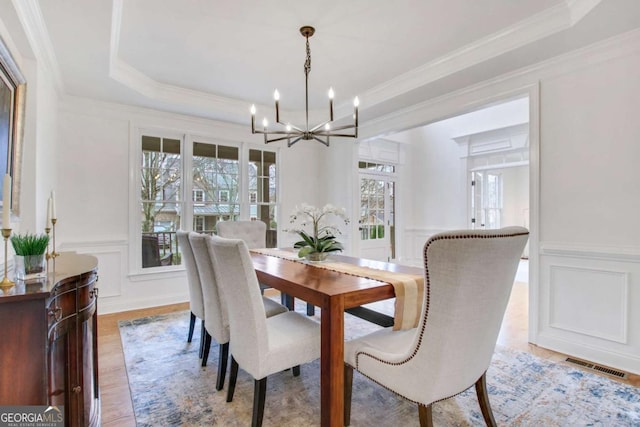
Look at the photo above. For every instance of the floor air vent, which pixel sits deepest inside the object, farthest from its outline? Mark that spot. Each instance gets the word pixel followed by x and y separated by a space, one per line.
pixel 604 370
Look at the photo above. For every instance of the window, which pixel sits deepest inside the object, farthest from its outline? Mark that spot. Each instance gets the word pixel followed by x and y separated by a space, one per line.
pixel 377 167
pixel 218 187
pixel 263 191
pixel 216 171
pixel 198 224
pixel 198 195
pixel 486 199
pixel 160 205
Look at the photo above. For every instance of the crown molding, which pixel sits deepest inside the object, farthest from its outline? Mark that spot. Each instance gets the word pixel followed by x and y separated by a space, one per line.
pixel 501 87
pixel 8 48
pixel 578 9
pixel 134 79
pixel 541 25
pixel 30 16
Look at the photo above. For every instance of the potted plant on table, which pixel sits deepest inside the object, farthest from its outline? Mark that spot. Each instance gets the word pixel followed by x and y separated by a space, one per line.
pixel 29 261
pixel 321 241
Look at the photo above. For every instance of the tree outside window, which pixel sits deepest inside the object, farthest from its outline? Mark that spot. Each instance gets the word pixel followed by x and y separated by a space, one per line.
pixel 159 199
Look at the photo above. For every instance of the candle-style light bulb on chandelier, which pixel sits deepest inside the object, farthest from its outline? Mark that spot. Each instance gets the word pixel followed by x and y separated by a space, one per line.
pixel 321 132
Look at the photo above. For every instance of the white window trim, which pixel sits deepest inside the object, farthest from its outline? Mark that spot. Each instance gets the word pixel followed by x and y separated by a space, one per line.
pixel 135 226
pixel 136 130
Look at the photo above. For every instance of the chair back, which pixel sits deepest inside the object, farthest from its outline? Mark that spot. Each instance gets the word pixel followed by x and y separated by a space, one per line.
pixel 253 233
pixel 215 309
pixel 237 279
pixel 150 251
pixel 196 303
pixel 468 279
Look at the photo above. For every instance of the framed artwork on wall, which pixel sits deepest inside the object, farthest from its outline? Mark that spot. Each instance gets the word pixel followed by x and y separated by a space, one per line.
pixel 12 109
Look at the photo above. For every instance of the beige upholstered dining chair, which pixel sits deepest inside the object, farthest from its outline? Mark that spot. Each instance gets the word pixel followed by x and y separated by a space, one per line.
pixel 468 280
pixel 261 346
pixel 196 303
pixel 254 234
pixel 216 324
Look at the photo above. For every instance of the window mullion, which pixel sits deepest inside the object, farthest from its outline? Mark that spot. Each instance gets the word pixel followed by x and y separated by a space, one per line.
pixel 187 183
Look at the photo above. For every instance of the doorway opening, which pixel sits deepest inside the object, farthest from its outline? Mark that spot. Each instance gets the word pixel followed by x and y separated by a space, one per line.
pixel 376 225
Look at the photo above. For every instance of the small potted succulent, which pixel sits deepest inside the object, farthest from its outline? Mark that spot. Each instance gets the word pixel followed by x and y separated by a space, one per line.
pixel 30 261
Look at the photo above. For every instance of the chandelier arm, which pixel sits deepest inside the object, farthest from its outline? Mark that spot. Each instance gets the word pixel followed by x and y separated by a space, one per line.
pixel 338 135
pixel 282 138
pixel 279 132
pixel 321 140
pixel 343 127
pixel 293 128
pixel 294 141
pixel 320 126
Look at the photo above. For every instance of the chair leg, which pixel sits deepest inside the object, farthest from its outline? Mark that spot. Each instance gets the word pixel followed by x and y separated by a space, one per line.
pixel 348 386
pixel 207 347
pixel 296 371
pixel 259 395
pixel 426 415
pixel 311 309
pixel 233 376
pixel 288 301
pixel 203 335
pixel 192 324
pixel 483 399
pixel 223 356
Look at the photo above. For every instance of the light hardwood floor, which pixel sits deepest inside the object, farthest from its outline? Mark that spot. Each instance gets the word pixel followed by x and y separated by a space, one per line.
pixel 117 409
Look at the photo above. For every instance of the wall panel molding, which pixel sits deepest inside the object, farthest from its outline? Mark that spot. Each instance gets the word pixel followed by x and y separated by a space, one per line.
pixel 587 296
pixel 111 256
pixel 589 301
pixel 610 253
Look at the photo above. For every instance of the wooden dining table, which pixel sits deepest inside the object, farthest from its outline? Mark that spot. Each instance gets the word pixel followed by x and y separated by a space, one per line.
pixel 333 292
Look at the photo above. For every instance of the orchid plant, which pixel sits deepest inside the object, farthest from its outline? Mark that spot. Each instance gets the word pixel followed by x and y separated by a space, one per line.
pixel 322 238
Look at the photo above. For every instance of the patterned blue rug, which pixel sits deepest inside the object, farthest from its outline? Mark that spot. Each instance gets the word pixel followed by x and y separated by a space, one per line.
pixel 169 388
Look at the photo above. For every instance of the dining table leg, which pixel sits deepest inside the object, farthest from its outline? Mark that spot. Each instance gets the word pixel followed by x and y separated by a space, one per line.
pixel 332 362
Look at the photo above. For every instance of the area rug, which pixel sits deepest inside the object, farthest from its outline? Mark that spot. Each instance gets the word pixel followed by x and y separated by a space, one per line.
pixel 170 388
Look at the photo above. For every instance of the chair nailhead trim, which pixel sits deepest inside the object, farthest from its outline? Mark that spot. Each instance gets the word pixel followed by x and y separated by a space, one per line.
pixel 427 300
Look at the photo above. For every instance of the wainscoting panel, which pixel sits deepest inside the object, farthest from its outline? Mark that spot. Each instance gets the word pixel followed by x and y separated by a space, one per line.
pixel 587 298
pixel 588 301
pixel 414 240
pixel 121 291
pixel 111 263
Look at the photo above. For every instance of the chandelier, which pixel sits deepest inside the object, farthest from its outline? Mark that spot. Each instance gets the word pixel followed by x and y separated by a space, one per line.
pixel 321 132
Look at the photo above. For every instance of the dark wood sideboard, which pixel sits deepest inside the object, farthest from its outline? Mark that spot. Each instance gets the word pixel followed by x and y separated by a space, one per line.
pixel 49 342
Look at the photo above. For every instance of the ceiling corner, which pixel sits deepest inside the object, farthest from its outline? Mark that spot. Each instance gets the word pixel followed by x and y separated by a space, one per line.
pixel 30 16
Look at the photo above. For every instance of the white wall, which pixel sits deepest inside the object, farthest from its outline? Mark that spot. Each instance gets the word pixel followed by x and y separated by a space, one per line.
pixel 39 141
pixel 93 191
pixel 589 204
pixel 589 173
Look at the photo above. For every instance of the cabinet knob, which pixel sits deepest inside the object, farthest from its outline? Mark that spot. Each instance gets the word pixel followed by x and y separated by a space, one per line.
pixel 56 313
pixel 93 293
pixel 77 389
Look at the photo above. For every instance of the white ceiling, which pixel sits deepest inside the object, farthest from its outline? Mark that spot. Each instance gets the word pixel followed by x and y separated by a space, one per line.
pixel 214 58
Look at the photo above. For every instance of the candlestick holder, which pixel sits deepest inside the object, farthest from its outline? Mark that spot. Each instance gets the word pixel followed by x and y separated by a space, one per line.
pixel 47 255
pixel 53 231
pixel 6 283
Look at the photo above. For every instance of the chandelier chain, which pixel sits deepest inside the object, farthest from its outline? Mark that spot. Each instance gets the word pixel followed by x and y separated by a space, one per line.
pixel 307 63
